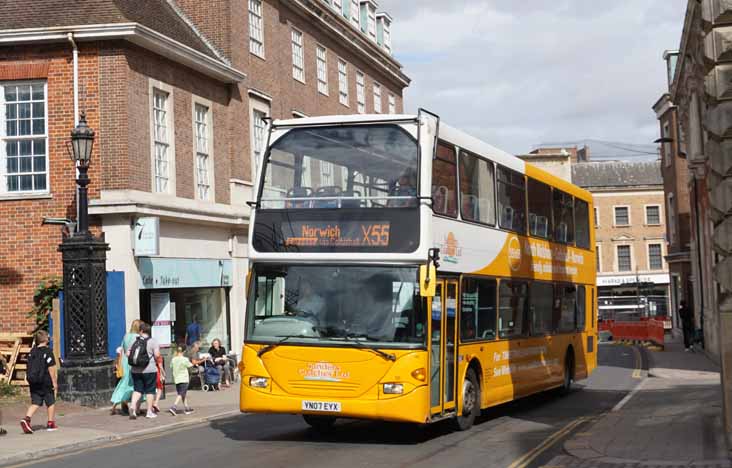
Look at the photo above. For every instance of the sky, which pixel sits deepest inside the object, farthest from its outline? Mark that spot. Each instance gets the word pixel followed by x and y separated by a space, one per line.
pixel 518 74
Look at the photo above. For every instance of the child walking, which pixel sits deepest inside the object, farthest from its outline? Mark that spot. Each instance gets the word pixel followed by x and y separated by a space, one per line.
pixel 180 365
pixel 41 377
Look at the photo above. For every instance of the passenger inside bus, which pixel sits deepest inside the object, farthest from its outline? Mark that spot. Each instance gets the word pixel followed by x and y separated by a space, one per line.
pixel 406 187
pixel 309 303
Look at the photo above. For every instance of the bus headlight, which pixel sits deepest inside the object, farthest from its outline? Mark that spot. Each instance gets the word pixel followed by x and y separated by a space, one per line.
pixel 258 382
pixel 393 388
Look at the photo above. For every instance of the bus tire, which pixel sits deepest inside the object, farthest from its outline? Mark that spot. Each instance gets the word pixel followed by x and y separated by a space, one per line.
pixel 320 423
pixel 471 402
pixel 568 377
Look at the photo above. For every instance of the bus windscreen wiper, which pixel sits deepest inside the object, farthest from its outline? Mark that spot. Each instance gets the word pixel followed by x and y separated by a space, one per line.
pixel 353 338
pixel 272 346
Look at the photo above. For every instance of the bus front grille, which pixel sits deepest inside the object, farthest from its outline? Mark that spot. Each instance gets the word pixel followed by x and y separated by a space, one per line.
pixel 318 387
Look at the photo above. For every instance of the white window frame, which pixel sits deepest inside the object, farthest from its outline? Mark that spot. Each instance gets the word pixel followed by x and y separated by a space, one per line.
pixel 617 258
pixel 195 102
pixel 343 82
pixel 648 255
pixel 361 91
pixel 377 98
pixel 597 216
pixel 371 21
pixel 321 67
pixel 338 5
pixel 666 133
pixel 392 104
pixel 298 54
pixel 598 255
pixel 671 222
pixel 387 36
pixel 155 85
pixel 256 28
pixel 356 13
pixel 262 107
pixel 615 218
pixel 660 214
pixel 4 138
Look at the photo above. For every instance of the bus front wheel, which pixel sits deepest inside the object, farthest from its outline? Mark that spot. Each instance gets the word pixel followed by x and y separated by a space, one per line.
pixel 320 423
pixel 471 402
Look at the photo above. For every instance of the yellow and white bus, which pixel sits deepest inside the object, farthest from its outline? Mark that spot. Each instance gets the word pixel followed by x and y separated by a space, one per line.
pixel 403 270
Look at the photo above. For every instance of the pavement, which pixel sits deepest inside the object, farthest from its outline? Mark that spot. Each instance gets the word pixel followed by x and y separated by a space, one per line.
pixel 81 428
pixel 672 418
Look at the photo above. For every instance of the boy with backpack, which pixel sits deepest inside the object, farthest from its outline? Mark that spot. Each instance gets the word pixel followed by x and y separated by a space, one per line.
pixel 180 365
pixel 41 376
pixel 142 357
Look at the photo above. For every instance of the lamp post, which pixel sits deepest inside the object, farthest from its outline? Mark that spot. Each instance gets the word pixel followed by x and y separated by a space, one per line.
pixel 86 375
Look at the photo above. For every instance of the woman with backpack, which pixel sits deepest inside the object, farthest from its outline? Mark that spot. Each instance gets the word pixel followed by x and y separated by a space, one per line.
pixel 123 392
pixel 142 357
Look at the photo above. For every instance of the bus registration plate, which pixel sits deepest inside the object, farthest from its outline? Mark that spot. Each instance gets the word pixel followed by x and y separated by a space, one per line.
pixel 327 406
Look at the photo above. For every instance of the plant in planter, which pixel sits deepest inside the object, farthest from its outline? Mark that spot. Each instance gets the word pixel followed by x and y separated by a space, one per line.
pixel 43 297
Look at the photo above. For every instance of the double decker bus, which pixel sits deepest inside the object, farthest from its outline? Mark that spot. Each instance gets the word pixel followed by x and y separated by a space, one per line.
pixel 403 270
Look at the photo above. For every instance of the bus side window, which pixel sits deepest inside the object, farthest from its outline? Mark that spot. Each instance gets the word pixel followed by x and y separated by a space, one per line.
pixel 564 307
pixel 582 223
pixel 512 302
pixel 477 189
pixel 540 208
pixel 542 302
pixel 444 181
pixel 478 309
pixel 581 309
pixel 511 200
pixel 563 217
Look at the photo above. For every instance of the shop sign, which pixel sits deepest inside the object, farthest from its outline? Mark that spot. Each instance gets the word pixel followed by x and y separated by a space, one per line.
pixel 168 273
pixel 632 279
pixel 147 237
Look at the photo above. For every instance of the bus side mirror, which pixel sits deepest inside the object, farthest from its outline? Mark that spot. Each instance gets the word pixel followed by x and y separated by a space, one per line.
pixel 427 280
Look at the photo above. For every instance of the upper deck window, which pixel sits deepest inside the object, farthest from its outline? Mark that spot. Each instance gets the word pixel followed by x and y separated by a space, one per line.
pixel 564 217
pixel 444 181
pixel 477 189
pixel 365 166
pixel 511 200
pixel 540 208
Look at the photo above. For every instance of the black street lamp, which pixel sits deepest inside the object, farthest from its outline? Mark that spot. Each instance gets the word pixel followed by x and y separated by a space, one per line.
pixel 87 373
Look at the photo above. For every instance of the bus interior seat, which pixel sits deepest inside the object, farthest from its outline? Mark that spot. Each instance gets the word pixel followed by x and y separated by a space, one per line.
pixel 440 197
pixel 355 203
pixel 299 192
pixel 507 217
pixel 327 191
pixel 470 206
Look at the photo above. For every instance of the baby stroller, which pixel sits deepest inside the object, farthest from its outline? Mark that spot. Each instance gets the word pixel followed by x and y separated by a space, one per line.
pixel 211 377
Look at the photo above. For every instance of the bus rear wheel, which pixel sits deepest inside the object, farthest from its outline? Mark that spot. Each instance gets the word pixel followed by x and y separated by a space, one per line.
pixel 471 402
pixel 320 423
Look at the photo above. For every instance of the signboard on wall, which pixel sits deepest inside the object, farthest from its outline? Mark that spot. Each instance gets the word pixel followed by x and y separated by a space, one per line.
pixel 632 279
pixel 147 237
pixel 161 273
pixel 160 306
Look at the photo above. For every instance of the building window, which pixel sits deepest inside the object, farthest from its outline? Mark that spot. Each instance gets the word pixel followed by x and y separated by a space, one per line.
pixel 161 139
pixel 338 5
pixel 203 152
pixel 597 216
pixel 259 129
pixel 361 92
pixel 653 215
pixel 377 98
pixel 512 307
pixel 355 14
pixel 667 156
pixel 444 181
pixel 392 104
pixel 321 57
pixel 298 57
pixel 343 82
pixel 540 208
pixel 511 200
pixel 671 210
pixel 622 216
pixel 655 257
pixel 478 309
pixel 371 21
pixel 387 36
pixel 598 258
pixel 624 261
pixel 23 153
pixel 478 191
pixel 256 28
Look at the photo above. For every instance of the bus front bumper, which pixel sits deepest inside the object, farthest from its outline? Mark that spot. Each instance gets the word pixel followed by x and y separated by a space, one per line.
pixel 412 407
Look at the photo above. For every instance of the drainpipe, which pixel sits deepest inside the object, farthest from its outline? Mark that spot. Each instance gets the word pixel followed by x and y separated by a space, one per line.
pixel 76 77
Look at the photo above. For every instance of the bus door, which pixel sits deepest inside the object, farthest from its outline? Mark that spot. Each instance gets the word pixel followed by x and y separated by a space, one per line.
pixel 443 350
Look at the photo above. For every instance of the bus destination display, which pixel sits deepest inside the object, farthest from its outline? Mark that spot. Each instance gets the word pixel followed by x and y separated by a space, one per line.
pixel 338 234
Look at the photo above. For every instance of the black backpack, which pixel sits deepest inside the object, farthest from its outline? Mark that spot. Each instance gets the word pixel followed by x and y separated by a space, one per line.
pixel 138 353
pixel 37 368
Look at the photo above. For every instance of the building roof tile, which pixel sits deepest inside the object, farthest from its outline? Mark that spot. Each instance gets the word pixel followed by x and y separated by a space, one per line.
pixel 610 174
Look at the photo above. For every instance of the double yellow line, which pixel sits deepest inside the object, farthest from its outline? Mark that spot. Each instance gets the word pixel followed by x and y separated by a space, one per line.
pixel 531 455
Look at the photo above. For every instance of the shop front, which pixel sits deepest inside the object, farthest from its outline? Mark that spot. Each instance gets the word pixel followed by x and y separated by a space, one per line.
pixel 633 297
pixel 176 291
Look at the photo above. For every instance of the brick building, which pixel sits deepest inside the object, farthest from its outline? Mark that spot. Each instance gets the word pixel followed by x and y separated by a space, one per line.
pixel 676 190
pixel 632 273
pixel 176 91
